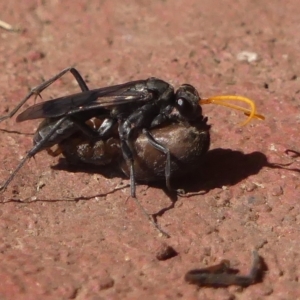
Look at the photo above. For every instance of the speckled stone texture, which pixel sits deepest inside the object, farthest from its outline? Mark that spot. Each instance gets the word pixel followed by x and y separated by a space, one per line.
pixel 71 238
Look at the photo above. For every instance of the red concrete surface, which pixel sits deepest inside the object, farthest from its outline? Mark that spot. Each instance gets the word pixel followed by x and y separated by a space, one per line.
pixel 70 240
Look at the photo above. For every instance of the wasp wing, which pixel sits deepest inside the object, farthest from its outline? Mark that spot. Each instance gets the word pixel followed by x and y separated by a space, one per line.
pixel 87 100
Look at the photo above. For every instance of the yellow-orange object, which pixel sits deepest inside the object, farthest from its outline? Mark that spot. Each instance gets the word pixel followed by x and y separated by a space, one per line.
pixel 223 100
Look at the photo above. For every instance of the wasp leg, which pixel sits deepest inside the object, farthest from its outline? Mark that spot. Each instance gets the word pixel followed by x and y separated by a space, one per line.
pixel 164 150
pixel 38 89
pixel 38 147
pixel 128 156
pixel 124 133
pixel 139 119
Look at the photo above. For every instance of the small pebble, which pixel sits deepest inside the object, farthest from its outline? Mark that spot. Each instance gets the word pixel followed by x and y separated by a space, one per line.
pixel 247 56
pixel 277 191
pixel 165 252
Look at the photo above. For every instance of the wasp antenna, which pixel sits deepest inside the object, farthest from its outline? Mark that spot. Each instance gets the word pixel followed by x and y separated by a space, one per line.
pixel 223 100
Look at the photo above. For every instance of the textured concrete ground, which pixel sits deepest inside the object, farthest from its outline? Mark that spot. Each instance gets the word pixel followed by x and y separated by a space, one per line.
pixel 70 240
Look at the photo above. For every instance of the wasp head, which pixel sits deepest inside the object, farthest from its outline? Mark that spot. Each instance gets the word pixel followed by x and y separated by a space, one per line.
pixel 187 102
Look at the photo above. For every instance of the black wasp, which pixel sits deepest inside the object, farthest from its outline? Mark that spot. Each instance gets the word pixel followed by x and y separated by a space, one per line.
pixel 136 106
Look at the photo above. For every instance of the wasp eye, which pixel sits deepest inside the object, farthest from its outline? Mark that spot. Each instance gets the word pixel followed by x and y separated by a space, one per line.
pixel 184 104
pixel 187 102
pixel 181 102
pixel 186 108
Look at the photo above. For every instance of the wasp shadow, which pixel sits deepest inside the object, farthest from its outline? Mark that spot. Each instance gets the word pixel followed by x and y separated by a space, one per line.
pixel 17 132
